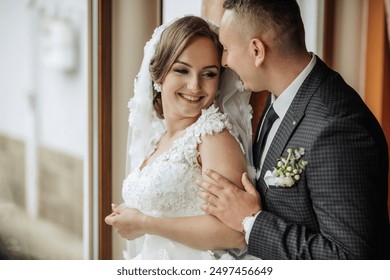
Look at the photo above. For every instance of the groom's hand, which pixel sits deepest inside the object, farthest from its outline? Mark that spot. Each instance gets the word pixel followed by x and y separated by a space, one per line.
pixel 128 222
pixel 227 202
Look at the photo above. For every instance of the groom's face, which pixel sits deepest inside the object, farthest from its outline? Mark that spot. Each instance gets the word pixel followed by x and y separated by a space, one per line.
pixel 236 53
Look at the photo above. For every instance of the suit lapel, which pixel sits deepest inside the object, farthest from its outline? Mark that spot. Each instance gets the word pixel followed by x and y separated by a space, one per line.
pixel 292 119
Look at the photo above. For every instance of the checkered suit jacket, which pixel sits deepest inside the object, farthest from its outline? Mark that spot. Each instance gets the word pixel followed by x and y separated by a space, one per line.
pixel 338 209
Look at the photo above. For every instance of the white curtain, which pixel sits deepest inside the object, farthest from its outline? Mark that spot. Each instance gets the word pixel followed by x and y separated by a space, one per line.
pixel 312 12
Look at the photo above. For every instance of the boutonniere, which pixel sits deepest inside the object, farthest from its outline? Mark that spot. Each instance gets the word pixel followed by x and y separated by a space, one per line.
pixel 287 170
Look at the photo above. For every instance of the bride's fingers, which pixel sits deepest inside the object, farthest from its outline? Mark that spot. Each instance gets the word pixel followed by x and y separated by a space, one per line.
pixel 117 208
pixel 109 219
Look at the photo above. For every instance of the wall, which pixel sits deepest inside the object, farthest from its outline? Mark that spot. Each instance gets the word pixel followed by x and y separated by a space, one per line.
pixel 175 8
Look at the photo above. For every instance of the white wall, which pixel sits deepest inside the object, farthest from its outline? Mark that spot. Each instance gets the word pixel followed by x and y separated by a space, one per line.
pixel 61 115
pixel 176 8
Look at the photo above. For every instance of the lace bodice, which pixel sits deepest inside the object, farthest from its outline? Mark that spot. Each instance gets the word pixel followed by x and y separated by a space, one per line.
pixel 167 186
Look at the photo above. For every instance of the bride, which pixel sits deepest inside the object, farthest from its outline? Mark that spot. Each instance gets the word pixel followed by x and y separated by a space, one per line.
pixel 177 132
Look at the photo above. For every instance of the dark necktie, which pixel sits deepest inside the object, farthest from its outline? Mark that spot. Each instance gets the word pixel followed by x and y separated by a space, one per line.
pixel 269 119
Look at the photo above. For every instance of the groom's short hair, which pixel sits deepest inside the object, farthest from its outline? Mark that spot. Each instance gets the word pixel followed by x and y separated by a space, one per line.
pixel 280 17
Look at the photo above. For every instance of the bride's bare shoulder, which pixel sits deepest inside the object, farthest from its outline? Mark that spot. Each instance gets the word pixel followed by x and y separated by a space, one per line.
pixel 222 153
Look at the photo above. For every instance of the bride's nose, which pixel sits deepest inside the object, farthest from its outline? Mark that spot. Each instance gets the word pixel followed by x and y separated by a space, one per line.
pixel 194 84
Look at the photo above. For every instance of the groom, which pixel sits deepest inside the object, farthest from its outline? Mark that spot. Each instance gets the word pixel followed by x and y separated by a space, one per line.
pixel 337 206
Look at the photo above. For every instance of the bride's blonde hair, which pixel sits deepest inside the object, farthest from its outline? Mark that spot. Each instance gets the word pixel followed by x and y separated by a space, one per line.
pixel 173 41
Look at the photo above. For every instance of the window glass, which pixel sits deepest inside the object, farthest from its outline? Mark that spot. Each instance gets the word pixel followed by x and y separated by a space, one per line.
pixel 44 119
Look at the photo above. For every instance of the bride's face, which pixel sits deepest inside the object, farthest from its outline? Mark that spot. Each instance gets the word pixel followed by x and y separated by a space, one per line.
pixel 192 82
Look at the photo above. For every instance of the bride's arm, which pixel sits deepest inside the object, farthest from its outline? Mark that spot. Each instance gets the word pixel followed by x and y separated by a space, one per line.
pixel 200 232
pixel 219 152
pixel 222 152
pixel 203 232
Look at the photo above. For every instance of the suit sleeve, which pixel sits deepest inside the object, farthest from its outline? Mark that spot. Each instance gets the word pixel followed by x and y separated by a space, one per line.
pixel 347 182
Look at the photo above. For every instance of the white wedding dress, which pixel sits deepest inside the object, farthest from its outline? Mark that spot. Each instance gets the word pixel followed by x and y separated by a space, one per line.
pixel 167 187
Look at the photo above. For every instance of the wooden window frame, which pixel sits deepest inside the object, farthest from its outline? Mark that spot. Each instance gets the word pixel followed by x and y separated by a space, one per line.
pixel 104 126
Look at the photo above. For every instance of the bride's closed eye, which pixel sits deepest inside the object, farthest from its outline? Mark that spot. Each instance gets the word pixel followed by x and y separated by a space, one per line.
pixel 210 74
pixel 206 73
pixel 181 71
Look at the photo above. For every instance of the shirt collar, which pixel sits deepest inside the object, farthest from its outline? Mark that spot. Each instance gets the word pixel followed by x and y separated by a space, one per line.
pixel 283 102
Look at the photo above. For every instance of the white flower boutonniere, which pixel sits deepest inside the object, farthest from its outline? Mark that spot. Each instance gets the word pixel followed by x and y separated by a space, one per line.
pixel 287 171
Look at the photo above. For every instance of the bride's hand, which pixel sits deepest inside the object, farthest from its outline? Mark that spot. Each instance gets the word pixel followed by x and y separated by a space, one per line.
pixel 115 207
pixel 128 222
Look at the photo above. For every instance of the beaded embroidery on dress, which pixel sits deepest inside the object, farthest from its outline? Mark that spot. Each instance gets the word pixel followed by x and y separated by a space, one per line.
pixel 167 187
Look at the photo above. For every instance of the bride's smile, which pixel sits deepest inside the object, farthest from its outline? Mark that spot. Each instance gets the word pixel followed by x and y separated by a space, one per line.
pixel 191 99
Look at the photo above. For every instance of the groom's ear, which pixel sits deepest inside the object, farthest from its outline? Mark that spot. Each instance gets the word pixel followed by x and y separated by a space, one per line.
pixel 258 50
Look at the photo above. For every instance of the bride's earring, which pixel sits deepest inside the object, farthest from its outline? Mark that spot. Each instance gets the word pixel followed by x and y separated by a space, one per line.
pixel 157 87
pixel 241 87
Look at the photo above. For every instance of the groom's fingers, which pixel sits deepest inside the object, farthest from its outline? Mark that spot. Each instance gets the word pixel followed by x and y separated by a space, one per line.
pixel 209 209
pixel 248 185
pixel 208 197
pixel 221 181
pixel 208 187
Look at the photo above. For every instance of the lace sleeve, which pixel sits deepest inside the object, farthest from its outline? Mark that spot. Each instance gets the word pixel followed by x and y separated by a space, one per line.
pixel 213 121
